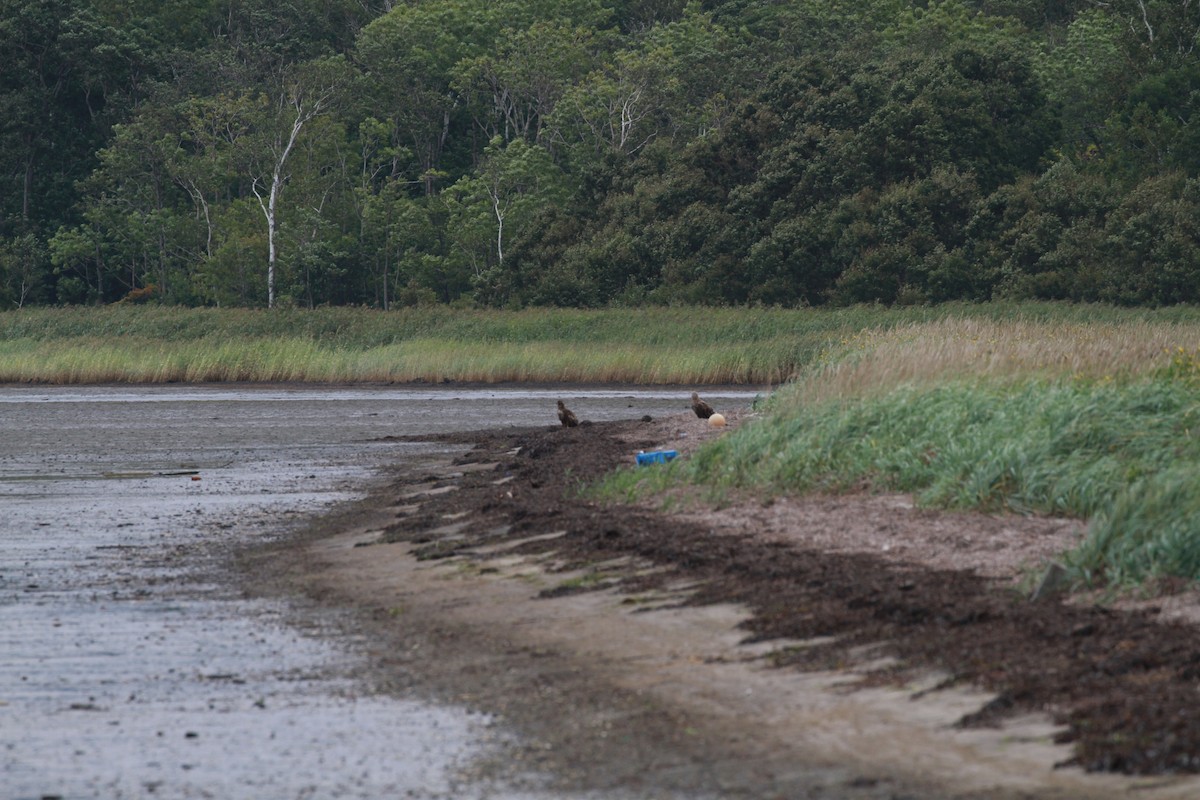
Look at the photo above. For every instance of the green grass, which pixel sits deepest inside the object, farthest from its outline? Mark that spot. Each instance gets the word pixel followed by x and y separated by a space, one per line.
pixel 1049 448
pixel 1113 440
pixel 148 344
pixel 655 345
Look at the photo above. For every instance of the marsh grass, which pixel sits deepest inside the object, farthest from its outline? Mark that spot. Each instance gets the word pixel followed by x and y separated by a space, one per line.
pixel 88 360
pixel 94 361
pixel 878 360
pixel 639 346
pixel 851 350
pixel 1052 416
pixel 1051 448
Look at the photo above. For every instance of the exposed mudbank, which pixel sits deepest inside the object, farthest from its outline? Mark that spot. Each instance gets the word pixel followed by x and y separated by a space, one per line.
pixel 621 639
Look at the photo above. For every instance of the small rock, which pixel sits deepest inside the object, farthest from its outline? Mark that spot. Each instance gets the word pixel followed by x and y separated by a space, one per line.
pixel 1053 582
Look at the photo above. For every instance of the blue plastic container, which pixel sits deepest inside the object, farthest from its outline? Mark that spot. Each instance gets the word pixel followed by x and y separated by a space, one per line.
pixel 656 457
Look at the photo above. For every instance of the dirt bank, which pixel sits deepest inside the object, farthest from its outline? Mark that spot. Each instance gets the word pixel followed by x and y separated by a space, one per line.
pixel 849 647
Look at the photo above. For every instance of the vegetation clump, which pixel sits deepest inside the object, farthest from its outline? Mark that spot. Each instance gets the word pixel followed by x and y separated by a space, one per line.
pixel 591 153
pixel 1096 422
pixel 663 346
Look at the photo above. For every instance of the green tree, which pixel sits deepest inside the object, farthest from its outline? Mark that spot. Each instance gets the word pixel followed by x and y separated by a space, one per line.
pixel 305 95
pixel 784 31
pixel 232 275
pixel 23 267
pixel 321 227
pixel 409 56
pixel 1158 127
pixel 1154 234
pixel 50 120
pixel 515 86
pixel 679 80
pixel 952 24
pixel 135 202
pixel 611 111
pixel 1085 76
pixel 397 230
pixel 1159 31
pixel 1043 236
pixel 80 262
pixel 487 210
pixel 930 133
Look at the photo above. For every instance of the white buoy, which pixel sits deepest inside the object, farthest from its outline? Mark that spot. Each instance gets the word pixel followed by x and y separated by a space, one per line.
pixel 717 420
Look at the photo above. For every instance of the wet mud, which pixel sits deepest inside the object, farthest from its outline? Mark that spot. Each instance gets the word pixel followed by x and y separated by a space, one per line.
pixel 130 665
pixel 1116 688
pixel 133 663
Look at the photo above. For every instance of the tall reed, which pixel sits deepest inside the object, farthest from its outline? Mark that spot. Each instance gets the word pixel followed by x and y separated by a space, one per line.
pixel 877 360
pixel 670 345
pixel 855 347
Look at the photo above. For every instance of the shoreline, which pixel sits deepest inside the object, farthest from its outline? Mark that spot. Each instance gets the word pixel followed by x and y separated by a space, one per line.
pixel 632 674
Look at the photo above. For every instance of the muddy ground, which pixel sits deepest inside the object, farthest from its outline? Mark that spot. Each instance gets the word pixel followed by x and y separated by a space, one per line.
pixel 834 647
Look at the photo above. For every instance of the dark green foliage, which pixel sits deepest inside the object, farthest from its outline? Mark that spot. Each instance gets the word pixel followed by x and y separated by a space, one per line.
pixel 599 152
pixel 835 183
pixel 1158 126
pixel 1034 13
pixel 1067 236
pixel 51 116
pixel 1043 237
pixel 868 196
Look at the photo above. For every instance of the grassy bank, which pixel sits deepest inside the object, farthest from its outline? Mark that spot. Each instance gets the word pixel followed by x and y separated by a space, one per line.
pixel 1095 420
pixel 112 344
pixel 118 344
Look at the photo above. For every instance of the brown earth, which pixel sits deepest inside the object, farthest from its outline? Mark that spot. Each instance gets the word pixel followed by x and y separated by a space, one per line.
pixel 836 647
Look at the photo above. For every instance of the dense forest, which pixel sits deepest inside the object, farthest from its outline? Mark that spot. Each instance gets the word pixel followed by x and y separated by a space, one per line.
pixel 588 153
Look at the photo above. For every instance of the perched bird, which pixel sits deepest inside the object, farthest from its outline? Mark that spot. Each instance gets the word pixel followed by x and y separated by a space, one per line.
pixel 703 410
pixel 566 416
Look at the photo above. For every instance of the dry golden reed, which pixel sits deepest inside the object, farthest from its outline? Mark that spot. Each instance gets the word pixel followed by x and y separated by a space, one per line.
pixel 877 360
pixel 840 352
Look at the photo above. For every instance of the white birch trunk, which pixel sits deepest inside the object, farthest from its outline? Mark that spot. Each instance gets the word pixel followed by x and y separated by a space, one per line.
pixel 270 205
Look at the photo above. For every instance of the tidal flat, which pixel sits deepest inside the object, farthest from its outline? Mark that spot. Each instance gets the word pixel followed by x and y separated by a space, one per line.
pixel 133 662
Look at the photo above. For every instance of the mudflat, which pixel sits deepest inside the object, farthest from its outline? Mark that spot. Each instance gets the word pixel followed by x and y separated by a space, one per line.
pixel 835 647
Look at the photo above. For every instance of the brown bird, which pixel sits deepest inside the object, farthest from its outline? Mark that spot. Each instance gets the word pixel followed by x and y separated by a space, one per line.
pixel 566 416
pixel 703 410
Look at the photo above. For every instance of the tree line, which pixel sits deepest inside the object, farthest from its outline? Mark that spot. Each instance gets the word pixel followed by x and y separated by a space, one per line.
pixel 598 152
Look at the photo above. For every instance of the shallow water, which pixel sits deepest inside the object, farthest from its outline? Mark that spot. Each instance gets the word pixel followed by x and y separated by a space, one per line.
pixel 128 670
